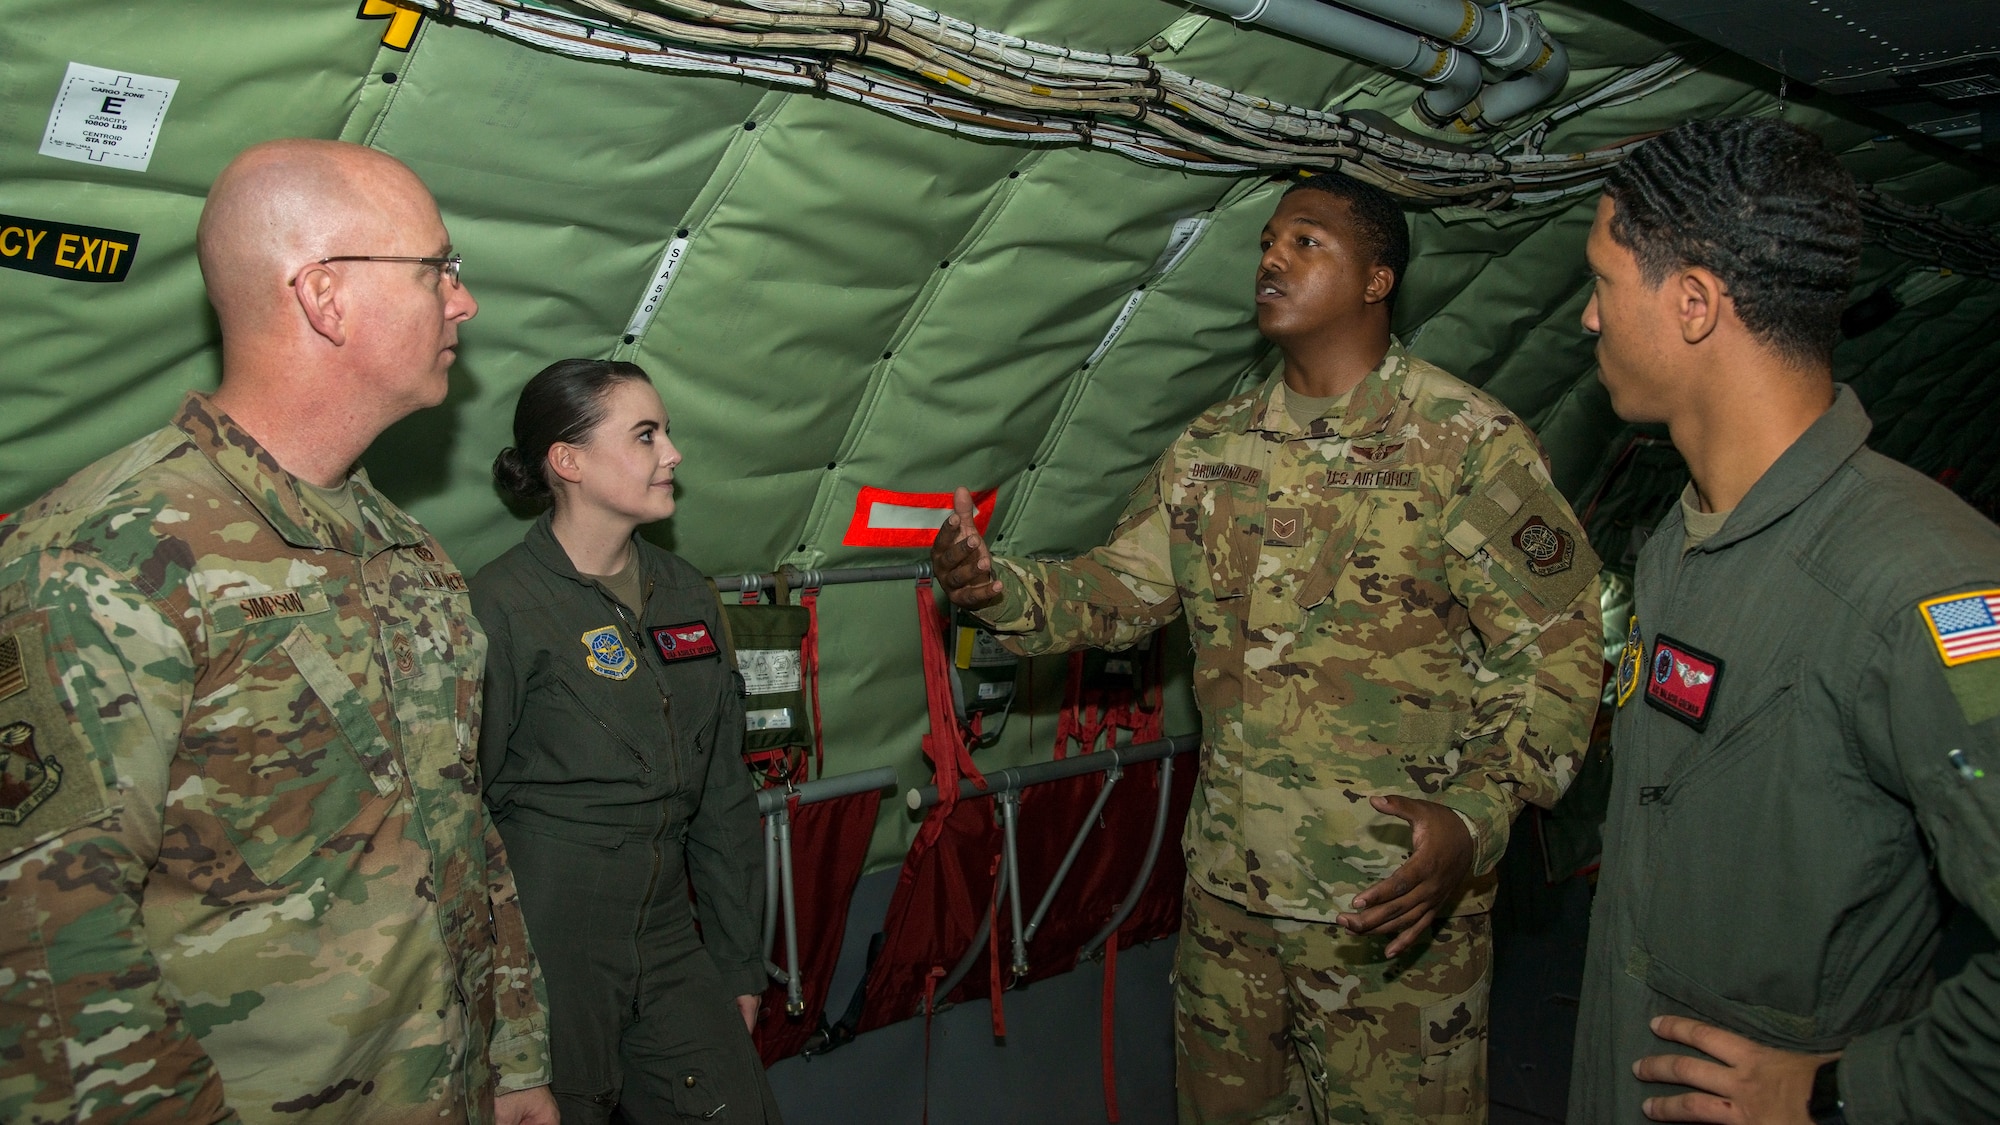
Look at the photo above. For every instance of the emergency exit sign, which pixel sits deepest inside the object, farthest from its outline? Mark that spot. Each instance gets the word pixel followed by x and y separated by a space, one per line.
pixel 107 117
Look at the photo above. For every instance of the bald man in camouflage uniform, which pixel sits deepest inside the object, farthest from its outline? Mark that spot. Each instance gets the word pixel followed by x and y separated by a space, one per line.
pixel 1397 643
pixel 245 873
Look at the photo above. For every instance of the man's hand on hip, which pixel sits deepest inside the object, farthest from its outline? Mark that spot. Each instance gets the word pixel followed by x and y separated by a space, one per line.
pixel 1408 901
pixel 532 1106
pixel 959 558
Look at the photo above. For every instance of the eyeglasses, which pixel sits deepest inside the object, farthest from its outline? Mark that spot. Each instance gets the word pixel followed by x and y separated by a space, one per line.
pixel 447 266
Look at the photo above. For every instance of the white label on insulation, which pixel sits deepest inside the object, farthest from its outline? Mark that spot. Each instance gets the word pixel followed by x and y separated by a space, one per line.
pixel 1185 234
pixel 768 670
pixel 656 291
pixel 775 718
pixel 107 117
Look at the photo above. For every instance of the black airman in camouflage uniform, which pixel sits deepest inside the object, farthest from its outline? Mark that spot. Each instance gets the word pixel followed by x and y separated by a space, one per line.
pixel 1395 625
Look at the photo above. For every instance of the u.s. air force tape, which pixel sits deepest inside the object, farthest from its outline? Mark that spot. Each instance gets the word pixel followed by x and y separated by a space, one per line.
pixel 66 250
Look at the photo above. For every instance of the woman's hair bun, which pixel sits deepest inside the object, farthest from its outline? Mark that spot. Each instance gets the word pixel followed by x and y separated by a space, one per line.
pixel 518 479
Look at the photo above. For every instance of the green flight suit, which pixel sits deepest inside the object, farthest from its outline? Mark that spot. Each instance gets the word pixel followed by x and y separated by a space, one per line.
pixel 1395 600
pixel 611 753
pixel 1774 872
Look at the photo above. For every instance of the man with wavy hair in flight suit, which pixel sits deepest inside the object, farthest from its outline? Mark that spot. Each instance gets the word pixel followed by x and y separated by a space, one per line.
pixel 1808 728
pixel 1396 632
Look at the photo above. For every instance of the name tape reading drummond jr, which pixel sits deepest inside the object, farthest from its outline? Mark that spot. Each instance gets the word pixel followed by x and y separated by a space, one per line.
pixel 66 250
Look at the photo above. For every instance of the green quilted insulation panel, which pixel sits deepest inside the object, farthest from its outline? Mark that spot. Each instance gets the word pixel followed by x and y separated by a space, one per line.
pixel 863 301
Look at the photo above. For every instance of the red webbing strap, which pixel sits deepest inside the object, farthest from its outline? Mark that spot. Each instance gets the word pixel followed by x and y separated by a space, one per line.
pixel 1150 724
pixel 945 744
pixel 937 973
pixel 1107 1042
pixel 994 988
pixel 1137 709
pixel 810 656
pixel 1083 716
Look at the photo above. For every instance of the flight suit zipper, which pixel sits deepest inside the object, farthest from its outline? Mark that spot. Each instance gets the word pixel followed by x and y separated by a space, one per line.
pixel 660 828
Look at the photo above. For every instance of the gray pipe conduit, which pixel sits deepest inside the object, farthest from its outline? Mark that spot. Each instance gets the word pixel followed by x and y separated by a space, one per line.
pixel 1452 74
pixel 1508 39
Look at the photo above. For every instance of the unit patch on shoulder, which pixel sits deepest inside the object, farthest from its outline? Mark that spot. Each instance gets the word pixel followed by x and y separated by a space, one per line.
pixel 49 781
pixel 604 652
pixel 1629 660
pixel 1965 627
pixel 1549 550
pixel 1683 681
pixel 684 642
pixel 27 779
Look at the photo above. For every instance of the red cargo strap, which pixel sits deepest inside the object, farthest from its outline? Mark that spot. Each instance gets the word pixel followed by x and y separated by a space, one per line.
pixel 1107 1030
pixel 945 744
pixel 1081 720
pixel 810 600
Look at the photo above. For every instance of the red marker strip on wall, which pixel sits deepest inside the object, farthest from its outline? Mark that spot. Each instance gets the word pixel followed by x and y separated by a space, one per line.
pixel 907 519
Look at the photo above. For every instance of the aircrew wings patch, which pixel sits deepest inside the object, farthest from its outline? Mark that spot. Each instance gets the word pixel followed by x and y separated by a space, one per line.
pixel 1965 627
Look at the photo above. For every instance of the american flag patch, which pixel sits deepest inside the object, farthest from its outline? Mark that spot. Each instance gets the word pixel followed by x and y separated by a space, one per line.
pixel 1966 627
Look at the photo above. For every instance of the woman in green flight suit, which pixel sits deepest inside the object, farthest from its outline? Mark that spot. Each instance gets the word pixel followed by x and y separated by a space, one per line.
pixel 610 753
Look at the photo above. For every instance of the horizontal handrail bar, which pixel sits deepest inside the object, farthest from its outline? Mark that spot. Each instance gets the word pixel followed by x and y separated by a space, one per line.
pixel 827 789
pixel 1019 777
pixel 798 579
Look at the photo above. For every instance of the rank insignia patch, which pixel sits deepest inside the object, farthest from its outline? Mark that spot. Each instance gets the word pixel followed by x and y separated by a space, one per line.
pixel 1965 627
pixel 1683 681
pixel 684 642
pixel 606 654
pixel 27 779
pixel 1284 527
pixel 1629 661
pixel 1547 549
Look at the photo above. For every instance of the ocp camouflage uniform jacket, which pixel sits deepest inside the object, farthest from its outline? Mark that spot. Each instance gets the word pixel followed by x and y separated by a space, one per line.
pixel 244 868
pixel 1394 601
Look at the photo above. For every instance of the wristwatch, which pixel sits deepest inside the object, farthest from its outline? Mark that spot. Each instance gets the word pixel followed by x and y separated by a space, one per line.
pixel 1825 1106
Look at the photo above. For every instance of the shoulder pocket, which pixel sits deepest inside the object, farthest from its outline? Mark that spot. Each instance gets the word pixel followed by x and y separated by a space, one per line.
pixel 1524 526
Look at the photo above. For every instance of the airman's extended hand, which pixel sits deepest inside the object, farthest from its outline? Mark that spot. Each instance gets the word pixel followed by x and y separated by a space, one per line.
pixel 959 558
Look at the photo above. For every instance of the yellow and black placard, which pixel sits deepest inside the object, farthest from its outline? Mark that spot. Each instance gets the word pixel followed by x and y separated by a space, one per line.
pixel 66 250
